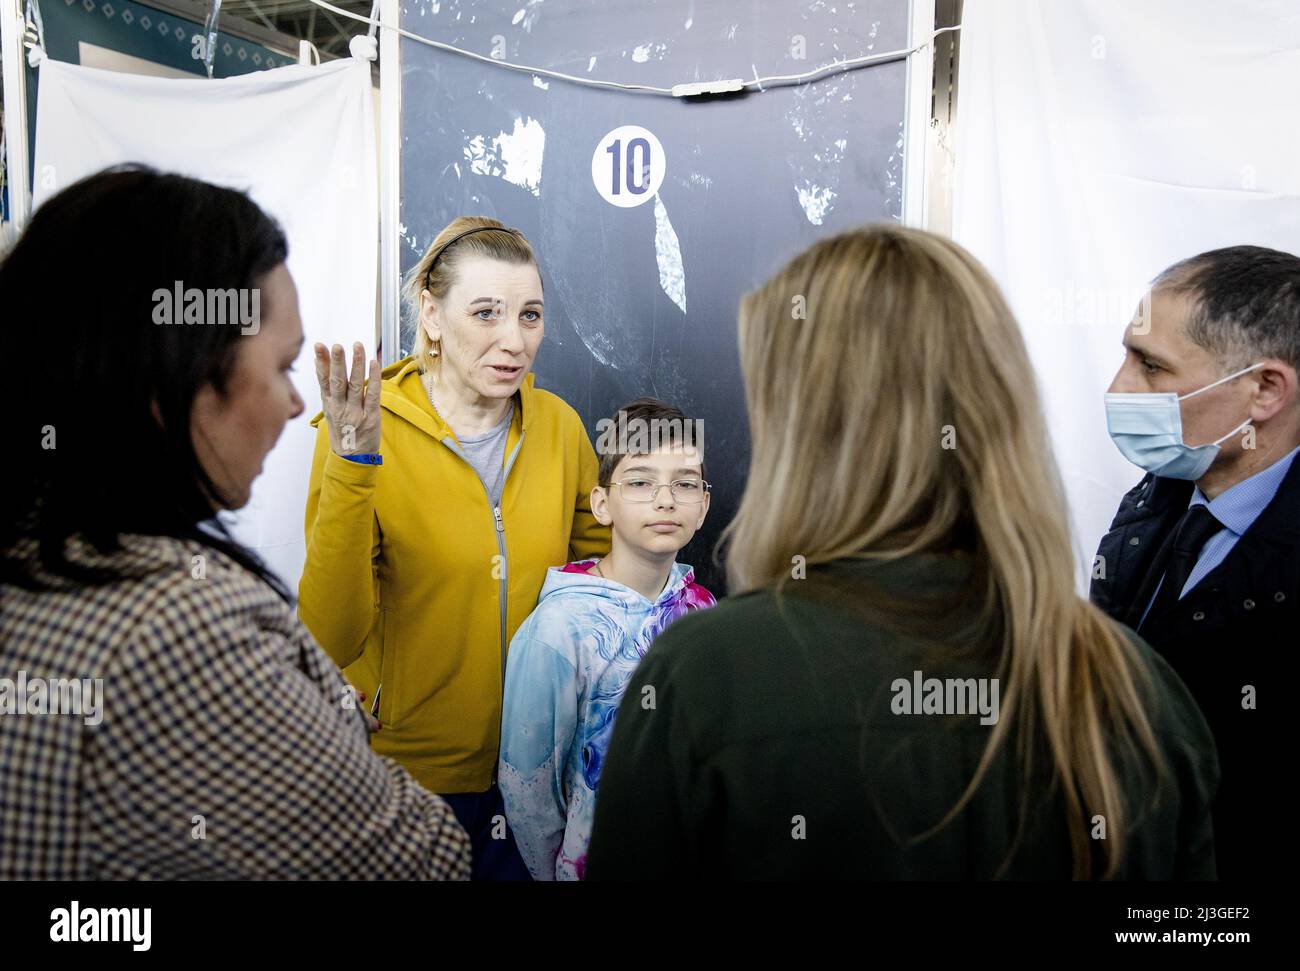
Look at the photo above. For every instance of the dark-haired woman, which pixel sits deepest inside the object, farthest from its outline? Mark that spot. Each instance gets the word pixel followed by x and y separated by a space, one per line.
pixel 198 731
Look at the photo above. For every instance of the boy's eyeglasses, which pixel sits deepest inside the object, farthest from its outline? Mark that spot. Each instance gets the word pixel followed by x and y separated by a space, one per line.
pixel 643 490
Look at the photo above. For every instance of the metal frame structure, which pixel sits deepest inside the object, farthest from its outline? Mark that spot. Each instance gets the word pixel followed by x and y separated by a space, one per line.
pixel 289 20
pixel 390 184
pixel 941 146
pixel 15 112
pixel 916 117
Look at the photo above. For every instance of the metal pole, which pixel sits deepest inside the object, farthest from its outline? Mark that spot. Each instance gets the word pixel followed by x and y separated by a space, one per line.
pixel 390 157
pixel 916 127
pixel 17 172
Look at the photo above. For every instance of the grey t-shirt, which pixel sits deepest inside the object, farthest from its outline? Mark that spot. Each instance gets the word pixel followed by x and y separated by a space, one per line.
pixel 487 454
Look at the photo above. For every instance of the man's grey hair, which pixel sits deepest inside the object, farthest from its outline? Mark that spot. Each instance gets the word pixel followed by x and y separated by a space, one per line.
pixel 1245 303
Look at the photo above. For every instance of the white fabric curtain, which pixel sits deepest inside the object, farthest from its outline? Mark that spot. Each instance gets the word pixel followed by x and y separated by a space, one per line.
pixel 301 141
pixel 1099 141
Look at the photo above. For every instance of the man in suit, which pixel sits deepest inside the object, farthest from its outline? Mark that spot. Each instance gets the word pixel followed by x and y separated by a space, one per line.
pixel 1203 556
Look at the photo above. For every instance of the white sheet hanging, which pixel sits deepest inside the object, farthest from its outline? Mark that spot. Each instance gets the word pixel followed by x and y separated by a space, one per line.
pixel 1099 141
pixel 301 140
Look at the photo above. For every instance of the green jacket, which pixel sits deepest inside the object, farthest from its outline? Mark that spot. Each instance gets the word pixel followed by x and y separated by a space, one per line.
pixel 769 740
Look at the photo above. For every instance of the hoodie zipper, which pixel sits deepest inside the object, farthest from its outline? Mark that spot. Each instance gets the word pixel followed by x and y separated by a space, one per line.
pixel 500 528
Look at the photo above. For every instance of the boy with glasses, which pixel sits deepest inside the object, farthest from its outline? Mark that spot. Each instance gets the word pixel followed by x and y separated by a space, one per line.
pixel 571 660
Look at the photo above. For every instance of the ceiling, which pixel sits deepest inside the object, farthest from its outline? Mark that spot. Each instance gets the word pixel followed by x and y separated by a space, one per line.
pixel 302 20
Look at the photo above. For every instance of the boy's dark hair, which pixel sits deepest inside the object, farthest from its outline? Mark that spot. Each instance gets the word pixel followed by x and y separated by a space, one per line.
pixel 675 426
pixel 1245 300
pixel 93 365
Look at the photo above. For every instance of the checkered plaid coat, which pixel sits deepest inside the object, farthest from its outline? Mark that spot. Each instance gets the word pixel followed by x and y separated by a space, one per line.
pixel 229 746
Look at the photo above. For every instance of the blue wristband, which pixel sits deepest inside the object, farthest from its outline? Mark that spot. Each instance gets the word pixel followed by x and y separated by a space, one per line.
pixel 372 459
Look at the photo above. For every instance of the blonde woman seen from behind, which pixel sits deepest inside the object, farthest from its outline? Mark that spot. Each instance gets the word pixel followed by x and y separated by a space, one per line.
pixel 905 685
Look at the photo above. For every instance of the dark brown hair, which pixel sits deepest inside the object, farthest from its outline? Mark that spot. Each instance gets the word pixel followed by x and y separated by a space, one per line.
pixel 646 410
pixel 125 461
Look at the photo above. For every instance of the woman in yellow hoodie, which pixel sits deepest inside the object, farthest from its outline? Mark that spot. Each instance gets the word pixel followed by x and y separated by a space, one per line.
pixel 428 538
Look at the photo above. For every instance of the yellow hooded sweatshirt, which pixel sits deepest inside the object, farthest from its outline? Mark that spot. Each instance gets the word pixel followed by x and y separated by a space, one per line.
pixel 415 584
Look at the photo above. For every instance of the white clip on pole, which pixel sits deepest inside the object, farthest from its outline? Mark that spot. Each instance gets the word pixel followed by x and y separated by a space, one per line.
pixel 364 47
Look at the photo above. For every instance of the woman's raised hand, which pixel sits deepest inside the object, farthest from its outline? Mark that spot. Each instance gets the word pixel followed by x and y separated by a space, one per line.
pixel 351 407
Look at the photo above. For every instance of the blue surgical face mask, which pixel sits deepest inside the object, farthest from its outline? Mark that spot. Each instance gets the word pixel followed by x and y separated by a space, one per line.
pixel 1148 430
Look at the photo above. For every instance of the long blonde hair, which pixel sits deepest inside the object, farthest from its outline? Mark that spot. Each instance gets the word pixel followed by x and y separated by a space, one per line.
pixel 508 245
pixel 892 405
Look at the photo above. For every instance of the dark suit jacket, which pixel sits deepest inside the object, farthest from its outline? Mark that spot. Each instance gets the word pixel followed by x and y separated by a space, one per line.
pixel 1232 639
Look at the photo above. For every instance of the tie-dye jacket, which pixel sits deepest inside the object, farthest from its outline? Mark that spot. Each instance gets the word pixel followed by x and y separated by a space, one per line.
pixel 568 666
